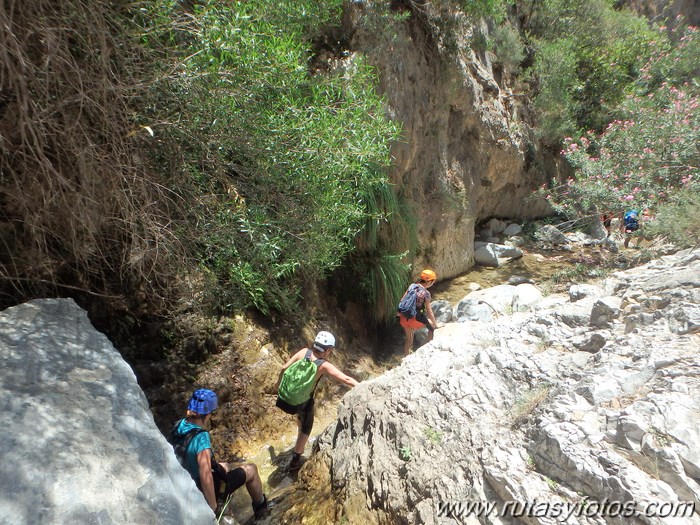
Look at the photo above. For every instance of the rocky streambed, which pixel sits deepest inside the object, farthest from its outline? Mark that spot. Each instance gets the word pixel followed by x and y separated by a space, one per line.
pixel 584 407
pixel 575 407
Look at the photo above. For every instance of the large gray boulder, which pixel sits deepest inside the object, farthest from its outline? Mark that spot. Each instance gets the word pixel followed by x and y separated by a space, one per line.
pixel 79 442
pixel 489 303
pixel 495 255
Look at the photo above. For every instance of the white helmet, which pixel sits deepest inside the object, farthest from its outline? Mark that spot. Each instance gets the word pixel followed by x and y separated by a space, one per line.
pixel 323 341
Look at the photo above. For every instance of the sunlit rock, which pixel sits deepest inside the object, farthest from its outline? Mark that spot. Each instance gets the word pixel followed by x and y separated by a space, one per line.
pixel 518 408
pixel 80 445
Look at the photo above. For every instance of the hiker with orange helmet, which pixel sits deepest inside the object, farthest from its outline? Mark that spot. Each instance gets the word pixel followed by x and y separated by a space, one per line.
pixel 424 316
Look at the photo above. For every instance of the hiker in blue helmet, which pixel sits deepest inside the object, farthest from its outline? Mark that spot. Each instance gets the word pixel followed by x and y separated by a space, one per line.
pixel 216 480
pixel 630 225
pixel 297 383
pixel 203 402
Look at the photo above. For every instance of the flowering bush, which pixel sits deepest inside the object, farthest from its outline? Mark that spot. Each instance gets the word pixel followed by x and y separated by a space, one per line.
pixel 643 159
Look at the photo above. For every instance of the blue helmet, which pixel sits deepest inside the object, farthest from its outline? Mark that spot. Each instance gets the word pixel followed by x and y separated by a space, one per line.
pixel 204 401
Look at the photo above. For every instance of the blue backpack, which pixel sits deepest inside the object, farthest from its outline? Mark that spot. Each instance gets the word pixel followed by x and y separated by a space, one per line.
pixel 631 220
pixel 407 306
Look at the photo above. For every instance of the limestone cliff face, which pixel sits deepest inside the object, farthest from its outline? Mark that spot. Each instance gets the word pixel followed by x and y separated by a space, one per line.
pixel 468 152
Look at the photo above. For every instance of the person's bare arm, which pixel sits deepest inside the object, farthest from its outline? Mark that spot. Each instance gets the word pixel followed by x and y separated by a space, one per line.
pixel 296 357
pixel 333 372
pixel 206 478
pixel 431 315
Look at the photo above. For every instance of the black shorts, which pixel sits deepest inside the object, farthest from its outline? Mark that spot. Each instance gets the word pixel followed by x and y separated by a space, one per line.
pixel 305 413
pixel 227 482
pixel 421 318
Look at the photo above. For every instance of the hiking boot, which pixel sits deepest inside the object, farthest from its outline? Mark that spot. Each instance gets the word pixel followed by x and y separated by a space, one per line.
pixel 261 509
pixel 295 463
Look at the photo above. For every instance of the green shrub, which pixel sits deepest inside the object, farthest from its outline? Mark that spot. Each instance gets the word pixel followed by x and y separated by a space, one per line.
pixel 508 47
pixel 433 435
pixel 588 53
pixel 679 219
pixel 278 152
pixel 528 401
pixel 495 9
pixel 650 155
pixel 557 81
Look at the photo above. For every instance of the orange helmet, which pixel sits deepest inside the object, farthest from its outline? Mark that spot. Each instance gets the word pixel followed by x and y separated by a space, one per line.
pixel 428 275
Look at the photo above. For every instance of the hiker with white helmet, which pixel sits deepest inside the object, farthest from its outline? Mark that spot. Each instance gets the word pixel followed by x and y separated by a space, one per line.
pixel 297 382
pixel 192 445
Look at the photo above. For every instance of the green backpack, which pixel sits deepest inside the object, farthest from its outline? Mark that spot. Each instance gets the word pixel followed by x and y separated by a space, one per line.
pixel 298 380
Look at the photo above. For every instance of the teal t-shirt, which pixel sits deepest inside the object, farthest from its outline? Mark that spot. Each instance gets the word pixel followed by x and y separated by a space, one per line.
pixel 198 443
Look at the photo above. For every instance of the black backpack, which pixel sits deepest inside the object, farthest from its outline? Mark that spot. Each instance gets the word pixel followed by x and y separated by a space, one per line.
pixel 407 305
pixel 180 442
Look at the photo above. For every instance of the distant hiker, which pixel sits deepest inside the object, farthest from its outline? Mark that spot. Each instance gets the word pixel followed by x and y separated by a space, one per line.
pixel 630 224
pixel 606 218
pixel 414 309
pixel 296 385
pixel 193 449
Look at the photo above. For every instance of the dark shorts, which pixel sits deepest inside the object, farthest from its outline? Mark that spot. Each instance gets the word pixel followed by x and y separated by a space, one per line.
pixel 227 482
pixel 305 413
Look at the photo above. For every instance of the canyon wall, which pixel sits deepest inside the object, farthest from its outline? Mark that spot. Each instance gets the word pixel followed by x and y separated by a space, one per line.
pixel 468 151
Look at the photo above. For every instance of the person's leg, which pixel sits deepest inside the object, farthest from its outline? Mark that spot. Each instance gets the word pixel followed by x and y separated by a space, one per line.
pixel 302 438
pixel 431 330
pixel 408 342
pixel 248 474
pixel 253 483
pixel 638 237
pixel 425 322
pixel 306 422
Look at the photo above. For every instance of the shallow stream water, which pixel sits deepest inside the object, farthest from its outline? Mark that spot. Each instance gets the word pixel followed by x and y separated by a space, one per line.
pixel 272 458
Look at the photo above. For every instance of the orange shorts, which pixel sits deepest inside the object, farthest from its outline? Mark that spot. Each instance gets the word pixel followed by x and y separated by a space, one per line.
pixel 411 323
